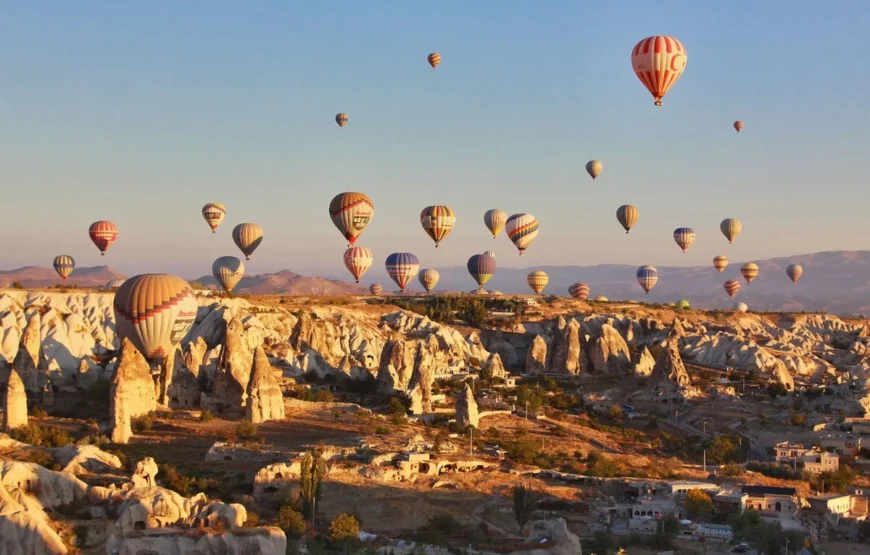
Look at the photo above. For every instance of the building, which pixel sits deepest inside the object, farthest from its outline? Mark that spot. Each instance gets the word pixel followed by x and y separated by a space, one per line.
pixel 838 504
pixel 770 500
pixel 788 452
pixel 843 444
pixel 721 532
pixel 818 462
pixel 682 487
pixel 728 502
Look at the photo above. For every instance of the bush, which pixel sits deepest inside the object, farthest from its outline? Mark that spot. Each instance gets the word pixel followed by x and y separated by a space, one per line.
pixel 290 520
pixel 344 527
pixel 206 416
pixel 142 424
pixel 46 436
pixel 17 285
pixel 253 520
pixel 247 431
pixel 323 396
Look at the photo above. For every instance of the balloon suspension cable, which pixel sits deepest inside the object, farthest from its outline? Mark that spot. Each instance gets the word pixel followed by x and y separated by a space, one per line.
pixel 102 253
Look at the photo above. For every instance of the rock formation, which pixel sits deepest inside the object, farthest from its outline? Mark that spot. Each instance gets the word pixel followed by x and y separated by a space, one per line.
pixel 560 540
pixel 15 406
pixel 466 409
pixel 494 367
pixel 233 370
pixel 568 351
pixel 183 389
pixel 536 357
pixel 608 352
pixel 132 392
pixel 264 399
pixel 645 363
pixel 26 530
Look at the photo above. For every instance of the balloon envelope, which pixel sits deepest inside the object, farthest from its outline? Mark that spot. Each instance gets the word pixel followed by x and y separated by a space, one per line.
pixel 749 271
pixel 103 233
pixel 579 291
pixel 64 264
pixel 437 222
pixel 402 267
pixel 214 213
pixel 684 237
pixel 730 228
pixel 247 237
pixel 594 168
pixel 494 220
pixel 682 304
pixel 538 280
pixel 341 119
pixel 738 125
pixel 351 213
pixel 732 287
pixel 522 229
pixel 481 267
pixel 794 272
pixel 658 62
pixel 358 260
pixel 228 271
pixel 720 263
pixel 627 215
pixel 429 279
pixel 376 289
pixel 434 59
pixel 647 277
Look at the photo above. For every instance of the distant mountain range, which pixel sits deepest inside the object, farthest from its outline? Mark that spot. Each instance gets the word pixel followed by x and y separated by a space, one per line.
pixel 836 281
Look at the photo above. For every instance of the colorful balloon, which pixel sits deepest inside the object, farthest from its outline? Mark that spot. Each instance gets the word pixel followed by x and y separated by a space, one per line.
pixel 749 271
pixel 494 220
pixel 64 265
pixel 682 304
pixel 341 119
pixel 113 284
pixel 429 279
pixel 730 228
pixel 358 260
pixel 522 229
pixel 738 125
pixel 154 312
pixel 214 213
pixel 732 286
pixel 103 233
pixel 434 59
pixel 537 280
pixel 489 253
pixel 579 291
pixel 437 222
pixel 376 289
pixel 593 168
pixel 684 237
pixel 627 216
pixel 228 271
pixel 794 272
pixel 481 267
pixel 720 263
pixel 647 277
pixel 601 299
pixel 247 237
pixel 402 267
pixel 658 62
pixel 351 213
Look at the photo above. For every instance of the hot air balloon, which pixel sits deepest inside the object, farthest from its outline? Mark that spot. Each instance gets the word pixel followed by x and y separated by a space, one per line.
pixel 375 289
pixel 593 168
pixel 647 276
pixel 658 62
pixel 494 220
pixel 103 233
pixel 732 287
pixel 749 271
pixel 684 236
pixel 357 260
pixel 64 265
pixel 113 284
pixel 341 119
pixel 228 271
pixel 214 213
pixel 522 229
pixel 481 267
pixel 429 279
pixel 351 213
pixel 738 125
pixel 730 228
pixel 627 216
pixel 402 268
pixel 247 237
pixel 537 280
pixel 682 304
pixel 434 59
pixel 579 291
pixel 489 253
pixel 601 299
pixel 741 307
pixel 720 262
pixel 154 312
pixel 794 272
pixel 437 222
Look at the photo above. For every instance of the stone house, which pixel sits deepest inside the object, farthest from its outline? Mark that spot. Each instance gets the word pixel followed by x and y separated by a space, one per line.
pixel 771 500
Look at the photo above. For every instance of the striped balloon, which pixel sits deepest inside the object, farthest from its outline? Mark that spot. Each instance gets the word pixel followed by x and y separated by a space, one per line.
pixel 402 267
pixel 434 59
pixel 647 277
pixel 732 286
pixel 429 279
pixel 64 265
pixel 154 312
pixel 113 284
pixel 103 233
pixel 720 263
pixel 594 168
pixel 794 272
pixel 749 271
pixel 358 260
pixel 537 280
pixel 214 213
pixel 627 216
pixel 351 213
pixel 730 228
pixel 494 220
pixel 376 289
pixel 522 229
pixel 437 222
pixel 579 291
pixel 247 237
pixel 489 253
pixel 341 119
pixel 228 271
pixel 658 62
pixel 684 236
pixel 481 267
pixel 738 125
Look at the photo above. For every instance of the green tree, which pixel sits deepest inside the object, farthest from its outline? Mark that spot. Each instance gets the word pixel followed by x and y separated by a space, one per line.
pixel 721 450
pixel 291 521
pixel 698 503
pixel 524 505
pixel 344 527
pixel 313 469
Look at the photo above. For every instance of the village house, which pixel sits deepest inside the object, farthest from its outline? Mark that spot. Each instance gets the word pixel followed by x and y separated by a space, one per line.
pixel 788 452
pixel 681 487
pixel 843 444
pixel 728 502
pixel 720 532
pixel 771 500
pixel 811 459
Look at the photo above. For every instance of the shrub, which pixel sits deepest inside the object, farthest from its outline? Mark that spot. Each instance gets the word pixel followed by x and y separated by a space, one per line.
pixel 46 436
pixel 247 431
pixel 142 424
pixel 344 527
pixel 253 520
pixel 206 416
pixel 324 396
pixel 290 520
pixel 17 285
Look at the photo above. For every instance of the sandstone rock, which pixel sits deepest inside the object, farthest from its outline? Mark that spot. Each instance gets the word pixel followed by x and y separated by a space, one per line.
pixel 15 405
pixel 567 352
pixel 132 392
pixel 466 409
pixel 264 398
pixel 536 358
pixel 26 531
pixel 183 390
pixel 86 459
pixel 194 355
pixel 669 366
pixel 561 541
pixel 51 488
pixel 145 475
pixel 494 367
pixel 234 369
pixel 229 515
pixel 645 363
pixel 608 352
pixel 259 541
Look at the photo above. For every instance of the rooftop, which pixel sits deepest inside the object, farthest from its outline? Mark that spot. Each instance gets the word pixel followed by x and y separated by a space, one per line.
pixel 768 490
pixel 828 496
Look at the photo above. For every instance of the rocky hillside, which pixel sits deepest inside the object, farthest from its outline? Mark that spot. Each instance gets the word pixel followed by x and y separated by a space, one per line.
pixel 38 276
pixel 286 282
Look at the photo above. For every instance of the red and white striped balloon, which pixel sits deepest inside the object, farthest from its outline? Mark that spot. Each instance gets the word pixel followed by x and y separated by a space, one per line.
pixel 358 260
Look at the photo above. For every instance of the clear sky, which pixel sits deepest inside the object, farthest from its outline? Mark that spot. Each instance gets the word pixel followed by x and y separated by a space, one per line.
pixel 142 111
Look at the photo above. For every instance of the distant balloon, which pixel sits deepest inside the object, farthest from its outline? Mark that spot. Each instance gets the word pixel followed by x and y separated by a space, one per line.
pixel 214 213
pixel 738 125
pixel 402 267
pixel 434 59
pixel 794 272
pixel 341 119
pixel 228 271
pixel 682 304
pixel 437 222
pixel 658 62
pixel 720 263
pixel 741 307
pixel 376 289
pixel 579 291
pixel 684 237
pixel 489 253
pixel 481 267
pixel 537 280
pixel 247 237
pixel 601 299
pixel 593 168
pixel 154 312
pixel 627 215
pixel 749 271
pixel 494 220
pixel 732 287
pixel 730 228
pixel 358 260
pixel 113 284
pixel 429 279
pixel 351 213
pixel 103 233
pixel 522 229
pixel 64 265
pixel 647 277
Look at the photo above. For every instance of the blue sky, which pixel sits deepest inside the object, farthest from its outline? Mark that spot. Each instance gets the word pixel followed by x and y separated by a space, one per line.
pixel 141 112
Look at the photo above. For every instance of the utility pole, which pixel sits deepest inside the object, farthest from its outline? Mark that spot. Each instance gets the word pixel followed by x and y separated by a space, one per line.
pixel 786 546
pixel 705 461
pixel 527 412
pixel 705 427
pixel 471 440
